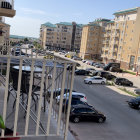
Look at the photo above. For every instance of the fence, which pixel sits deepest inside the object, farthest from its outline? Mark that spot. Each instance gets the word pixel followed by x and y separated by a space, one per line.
pixel 36 112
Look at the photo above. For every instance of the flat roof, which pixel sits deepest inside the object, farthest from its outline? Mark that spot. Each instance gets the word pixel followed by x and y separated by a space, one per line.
pixel 126 11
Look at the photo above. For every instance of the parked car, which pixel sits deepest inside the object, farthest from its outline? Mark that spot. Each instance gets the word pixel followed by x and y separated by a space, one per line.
pixel 69 67
pixel 106 75
pixel 57 92
pixel 134 103
pixel 115 69
pixel 109 65
pixel 75 101
pixel 77 58
pixel 137 90
pixel 95 80
pixel 86 113
pixel 82 96
pixel 123 81
pixel 84 61
pixel 90 69
pixel 81 72
pixel 95 73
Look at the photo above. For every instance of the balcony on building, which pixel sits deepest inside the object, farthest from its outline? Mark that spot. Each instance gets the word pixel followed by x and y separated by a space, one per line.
pixel 106 42
pixel 7 8
pixel 107 35
pixel 108 28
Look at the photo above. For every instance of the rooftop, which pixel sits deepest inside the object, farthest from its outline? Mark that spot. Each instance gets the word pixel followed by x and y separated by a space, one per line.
pixel 48 24
pixel 80 25
pixel 111 21
pixel 102 19
pixel 126 11
pixel 65 23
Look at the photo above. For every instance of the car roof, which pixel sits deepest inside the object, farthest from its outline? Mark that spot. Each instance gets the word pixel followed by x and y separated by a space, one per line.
pixel 96 77
pixel 82 106
pixel 76 93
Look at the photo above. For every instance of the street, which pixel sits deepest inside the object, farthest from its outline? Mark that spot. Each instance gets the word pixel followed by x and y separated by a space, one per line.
pixel 122 122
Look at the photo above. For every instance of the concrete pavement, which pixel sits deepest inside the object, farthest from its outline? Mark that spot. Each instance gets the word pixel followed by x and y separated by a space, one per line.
pixel 122 122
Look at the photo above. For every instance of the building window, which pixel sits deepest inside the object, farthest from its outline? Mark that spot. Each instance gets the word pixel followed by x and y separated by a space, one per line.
pixel 132 31
pixel 131 39
pixel 139 50
pixel 138 59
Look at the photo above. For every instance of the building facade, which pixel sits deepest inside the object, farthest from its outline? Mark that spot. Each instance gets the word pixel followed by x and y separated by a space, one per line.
pixel 122 39
pixel 4 32
pixel 92 39
pixel 61 36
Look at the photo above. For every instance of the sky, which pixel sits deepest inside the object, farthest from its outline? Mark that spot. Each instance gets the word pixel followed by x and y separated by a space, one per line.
pixel 30 14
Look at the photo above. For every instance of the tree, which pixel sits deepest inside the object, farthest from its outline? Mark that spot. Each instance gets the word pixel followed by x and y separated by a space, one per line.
pixel 26 39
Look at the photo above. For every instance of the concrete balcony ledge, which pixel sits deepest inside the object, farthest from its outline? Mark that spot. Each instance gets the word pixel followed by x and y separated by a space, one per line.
pixel 7 12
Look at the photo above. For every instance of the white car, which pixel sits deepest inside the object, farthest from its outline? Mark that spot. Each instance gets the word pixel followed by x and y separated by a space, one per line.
pixel 81 95
pixel 95 80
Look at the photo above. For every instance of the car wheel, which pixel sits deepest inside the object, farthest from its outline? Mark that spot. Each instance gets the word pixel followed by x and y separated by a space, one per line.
pixel 131 85
pixel 76 120
pixel 100 120
pixel 89 82
pixel 102 82
pixel 119 84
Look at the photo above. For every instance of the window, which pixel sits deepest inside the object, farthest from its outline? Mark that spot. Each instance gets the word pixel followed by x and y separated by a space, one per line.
pixel 138 59
pixel 88 110
pixel 139 51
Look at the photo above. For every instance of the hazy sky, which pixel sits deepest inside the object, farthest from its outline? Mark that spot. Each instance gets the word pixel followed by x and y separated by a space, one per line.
pixel 30 14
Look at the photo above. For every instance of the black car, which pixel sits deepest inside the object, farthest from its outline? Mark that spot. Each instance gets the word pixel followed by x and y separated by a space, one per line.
pixel 94 73
pixel 134 103
pixel 69 67
pixel 81 72
pixel 109 65
pixel 86 113
pixel 123 81
pixel 106 75
pixel 115 69
pixel 90 70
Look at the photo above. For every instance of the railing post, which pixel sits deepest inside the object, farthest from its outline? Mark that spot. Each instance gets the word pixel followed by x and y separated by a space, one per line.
pixel 69 104
pixel 6 92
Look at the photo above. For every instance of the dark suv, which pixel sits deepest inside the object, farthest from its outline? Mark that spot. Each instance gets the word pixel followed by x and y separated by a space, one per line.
pixel 85 113
pixel 123 81
pixel 106 75
pixel 134 103
pixel 109 65
pixel 82 72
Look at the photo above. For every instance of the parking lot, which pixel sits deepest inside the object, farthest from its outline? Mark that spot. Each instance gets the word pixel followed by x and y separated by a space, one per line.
pixel 122 121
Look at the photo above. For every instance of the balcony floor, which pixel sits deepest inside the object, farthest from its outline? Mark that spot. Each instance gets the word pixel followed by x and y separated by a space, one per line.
pixel 32 125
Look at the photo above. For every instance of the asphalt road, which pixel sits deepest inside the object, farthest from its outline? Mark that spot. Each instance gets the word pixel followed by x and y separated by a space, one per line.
pixel 123 123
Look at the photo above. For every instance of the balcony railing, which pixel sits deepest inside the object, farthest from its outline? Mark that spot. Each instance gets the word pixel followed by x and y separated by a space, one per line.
pixel 27 116
pixel 7 8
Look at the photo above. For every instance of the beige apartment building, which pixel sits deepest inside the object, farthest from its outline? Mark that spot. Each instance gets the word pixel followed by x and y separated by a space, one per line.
pixel 92 39
pixel 63 35
pixel 122 39
pixel 4 32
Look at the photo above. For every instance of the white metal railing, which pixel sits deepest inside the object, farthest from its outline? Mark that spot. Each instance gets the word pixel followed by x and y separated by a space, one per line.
pixel 42 120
